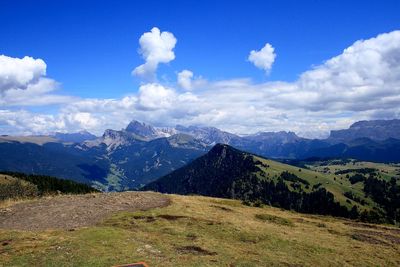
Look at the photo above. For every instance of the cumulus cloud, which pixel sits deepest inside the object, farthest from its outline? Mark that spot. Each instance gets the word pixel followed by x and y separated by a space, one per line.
pixel 23 83
pixel 188 82
pixel 22 122
pixel 84 120
pixel 18 73
pixel 36 94
pixel 154 96
pixel 363 82
pixel 185 79
pixel 155 47
pixel 365 76
pixel 264 58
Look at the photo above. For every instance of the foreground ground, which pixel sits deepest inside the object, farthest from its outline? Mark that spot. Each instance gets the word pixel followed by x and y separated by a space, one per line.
pixel 72 211
pixel 191 231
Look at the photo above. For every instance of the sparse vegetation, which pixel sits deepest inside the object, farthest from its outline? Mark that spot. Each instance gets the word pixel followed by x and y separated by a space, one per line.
pixel 193 232
pixel 350 195
pixel 243 176
pixel 285 175
pixel 274 219
pixel 11 187
pixel 356 178
pixel 23 185
pixel 357 170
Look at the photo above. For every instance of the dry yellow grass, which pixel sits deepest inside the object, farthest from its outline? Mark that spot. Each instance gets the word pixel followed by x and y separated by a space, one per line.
pixel 201 231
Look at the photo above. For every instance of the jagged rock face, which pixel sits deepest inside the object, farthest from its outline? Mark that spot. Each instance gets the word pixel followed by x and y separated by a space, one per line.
pixel 375 130
pixel 141 129
pixel 186 141
pixel 208 135
pixel 114 139
pixel 141 153
pixel 149 132
pixel 273 144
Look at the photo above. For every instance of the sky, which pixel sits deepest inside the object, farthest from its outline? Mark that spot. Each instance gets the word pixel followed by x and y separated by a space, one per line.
pixel 242 66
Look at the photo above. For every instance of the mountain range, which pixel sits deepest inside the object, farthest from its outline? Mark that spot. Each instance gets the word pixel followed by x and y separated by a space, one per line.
pixel 141 153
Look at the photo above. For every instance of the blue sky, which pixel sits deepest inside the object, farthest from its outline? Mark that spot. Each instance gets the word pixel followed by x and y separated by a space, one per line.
pixel 91 47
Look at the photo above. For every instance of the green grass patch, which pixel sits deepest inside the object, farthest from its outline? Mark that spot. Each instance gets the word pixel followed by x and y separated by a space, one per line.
pixel 274 219
pixel 194 231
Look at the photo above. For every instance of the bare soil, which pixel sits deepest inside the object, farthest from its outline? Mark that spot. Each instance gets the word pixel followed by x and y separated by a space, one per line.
pixel 373 226
pixel 73 211
pixel 380 235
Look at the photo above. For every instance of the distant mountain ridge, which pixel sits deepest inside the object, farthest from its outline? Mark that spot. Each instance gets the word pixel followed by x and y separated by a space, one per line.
pixel 377 130
pixel 140 153
pixel 74 137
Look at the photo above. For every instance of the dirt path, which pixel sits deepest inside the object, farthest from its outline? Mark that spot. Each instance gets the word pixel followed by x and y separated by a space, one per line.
pixel 72 211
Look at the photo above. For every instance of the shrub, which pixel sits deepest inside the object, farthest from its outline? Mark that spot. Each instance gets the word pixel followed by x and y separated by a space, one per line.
pixel 18 189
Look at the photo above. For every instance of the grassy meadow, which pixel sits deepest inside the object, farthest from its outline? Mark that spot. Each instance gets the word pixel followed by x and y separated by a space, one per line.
pixel 201 231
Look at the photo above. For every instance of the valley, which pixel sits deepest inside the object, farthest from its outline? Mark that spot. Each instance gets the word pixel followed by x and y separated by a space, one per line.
pixel 210 162
pixel 199 133
pixel 140 153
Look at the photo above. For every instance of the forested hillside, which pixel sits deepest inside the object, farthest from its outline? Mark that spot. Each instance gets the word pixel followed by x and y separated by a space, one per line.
pixel 229 173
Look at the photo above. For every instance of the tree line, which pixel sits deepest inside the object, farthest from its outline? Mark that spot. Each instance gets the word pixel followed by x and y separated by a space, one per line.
pixel 45 185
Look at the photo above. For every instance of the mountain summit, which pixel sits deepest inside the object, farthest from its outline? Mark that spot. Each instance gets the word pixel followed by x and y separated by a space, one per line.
pixel 141 153
pixel 226 172
pixel 141 129
pixel 377 130
pixel 212 174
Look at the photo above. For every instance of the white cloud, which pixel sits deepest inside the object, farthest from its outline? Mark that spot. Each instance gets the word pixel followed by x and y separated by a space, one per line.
pixel 83 120
pixel 36 94
pixel 154 96
pixel 23 83
pixel 264 58
pixel 155 47
pixel 18 73
pixel 363 82
pixel 185 79
pixel 365 76
pixel 22 122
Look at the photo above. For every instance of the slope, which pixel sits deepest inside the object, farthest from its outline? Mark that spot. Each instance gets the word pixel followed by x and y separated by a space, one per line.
pixel 230 173
pixel 203 231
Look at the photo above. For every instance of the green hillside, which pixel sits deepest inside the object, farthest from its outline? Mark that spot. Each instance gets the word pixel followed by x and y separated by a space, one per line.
pixel 230 173
pixel 340 167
